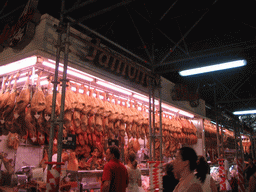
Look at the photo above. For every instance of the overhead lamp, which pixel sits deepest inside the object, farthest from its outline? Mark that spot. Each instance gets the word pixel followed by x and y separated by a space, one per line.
pixel 144 98
pixel 211 68
pixel 246 112
pixel 80 75
pixel 22 79
pixel 73 69
pixel 114 87
pixel 17 65
pixel 186 114
pixel 175 110
pixel 168 113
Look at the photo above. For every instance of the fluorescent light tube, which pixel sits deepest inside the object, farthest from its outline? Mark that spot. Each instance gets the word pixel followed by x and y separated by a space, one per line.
pixel 247 112
pixel 70 72
pixel 211 68
pixel 17 65
pixel 186 114
pixel 144 98
pixel 175 110
pixel 114 87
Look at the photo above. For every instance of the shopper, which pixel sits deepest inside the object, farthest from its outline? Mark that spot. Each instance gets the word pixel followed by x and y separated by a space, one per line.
pixel 250 168
pixel 203 174
pixel 169 180
pixel 183 168
pixel 134 173
pixel 115 175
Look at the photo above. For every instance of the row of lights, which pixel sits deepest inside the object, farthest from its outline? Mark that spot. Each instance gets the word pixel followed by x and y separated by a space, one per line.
pixel 30 61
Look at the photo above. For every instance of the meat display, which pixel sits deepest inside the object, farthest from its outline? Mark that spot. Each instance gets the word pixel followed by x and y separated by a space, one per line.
pixel 92 116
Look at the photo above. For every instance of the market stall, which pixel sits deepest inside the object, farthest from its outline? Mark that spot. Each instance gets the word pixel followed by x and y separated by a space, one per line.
pixel 101 108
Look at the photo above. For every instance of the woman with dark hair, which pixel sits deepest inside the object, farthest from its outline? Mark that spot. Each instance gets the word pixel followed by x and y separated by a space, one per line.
pixel 134 173
pixel 183 167
pixel 203 174
pixel 169 181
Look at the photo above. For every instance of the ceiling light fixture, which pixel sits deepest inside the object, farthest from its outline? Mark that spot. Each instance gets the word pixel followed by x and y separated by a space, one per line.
pixel 144 98
pixel 114 87
pixel 18 65
pixel 211 68
pixel 80 75
pixel 175 110
pixel 246 112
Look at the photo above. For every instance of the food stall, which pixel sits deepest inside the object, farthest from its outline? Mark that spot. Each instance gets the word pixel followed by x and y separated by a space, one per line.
pixel 106 102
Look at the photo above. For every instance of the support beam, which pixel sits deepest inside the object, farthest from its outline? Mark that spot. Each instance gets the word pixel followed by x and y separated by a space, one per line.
pixel 185 35
pixel 77 5
pixel 105 38
pixel 160 31
pixel 169 9
pixel 141 39
pixel 104 10
pixel 236 100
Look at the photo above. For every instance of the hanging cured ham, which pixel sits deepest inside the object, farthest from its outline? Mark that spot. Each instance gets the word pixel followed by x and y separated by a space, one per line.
pixel 48 108
pixel 38 103
pixel 77 111
pixel 9 106
pixel 5 96
pixel 23 99
pixel 5 80
pixel 31 125
pixel 84 111
pixel 68 109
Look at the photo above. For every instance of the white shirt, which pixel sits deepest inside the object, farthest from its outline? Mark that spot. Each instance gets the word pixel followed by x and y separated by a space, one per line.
pixel 207 183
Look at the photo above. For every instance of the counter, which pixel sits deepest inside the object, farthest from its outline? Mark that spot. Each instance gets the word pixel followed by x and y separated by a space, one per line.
pixel 86 179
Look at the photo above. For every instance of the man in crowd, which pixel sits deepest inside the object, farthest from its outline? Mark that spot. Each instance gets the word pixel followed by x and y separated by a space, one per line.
pixel 115 175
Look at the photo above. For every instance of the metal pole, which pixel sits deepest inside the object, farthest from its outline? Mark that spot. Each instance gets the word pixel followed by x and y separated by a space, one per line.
pixel 252 147
pixel 63 92
pixel 161 134
pixel 55 83
pixel 217 124
pixel 236 146
pixel 154 122
pixel 150 124
pixel 241 143
pixel 222 137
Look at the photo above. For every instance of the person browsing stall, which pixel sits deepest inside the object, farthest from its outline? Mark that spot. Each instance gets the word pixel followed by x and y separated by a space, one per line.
pixel 203 174
pixel 134 173
pixel 183 167
pixel 115 176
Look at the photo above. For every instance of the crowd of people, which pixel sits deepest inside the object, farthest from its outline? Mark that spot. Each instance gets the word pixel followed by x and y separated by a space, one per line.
pixel 180 174
pixel 186 173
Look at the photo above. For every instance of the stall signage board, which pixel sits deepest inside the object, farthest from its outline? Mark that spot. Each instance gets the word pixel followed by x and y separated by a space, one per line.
pixel 21 32
pixel 180 92
pixel 116 63
pixel 69 142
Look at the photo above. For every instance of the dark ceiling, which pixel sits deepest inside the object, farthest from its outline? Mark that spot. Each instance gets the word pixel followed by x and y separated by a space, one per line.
pixel 167 36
